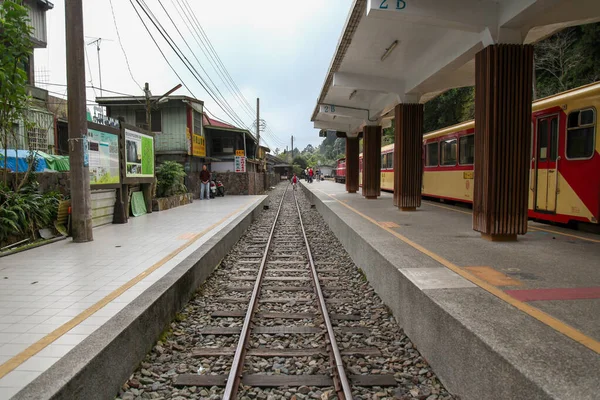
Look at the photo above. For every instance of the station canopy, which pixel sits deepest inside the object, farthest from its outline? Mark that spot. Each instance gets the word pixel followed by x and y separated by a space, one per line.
pixel 410 51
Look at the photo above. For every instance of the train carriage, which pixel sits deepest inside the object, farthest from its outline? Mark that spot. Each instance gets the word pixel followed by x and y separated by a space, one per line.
pixel 564 165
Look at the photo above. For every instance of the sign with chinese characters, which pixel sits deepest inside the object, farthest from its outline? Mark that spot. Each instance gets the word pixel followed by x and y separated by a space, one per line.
pixel 198 146
pixel 240 164
pixel 139 154
pixel 240 153
pixel 103 157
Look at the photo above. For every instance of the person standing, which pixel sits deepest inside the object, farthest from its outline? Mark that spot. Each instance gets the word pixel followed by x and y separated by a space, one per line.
pixel 204 183
pixel 294 181
pixel 310 174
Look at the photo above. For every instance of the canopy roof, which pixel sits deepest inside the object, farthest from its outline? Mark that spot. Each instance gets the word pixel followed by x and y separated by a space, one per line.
pixel 410 51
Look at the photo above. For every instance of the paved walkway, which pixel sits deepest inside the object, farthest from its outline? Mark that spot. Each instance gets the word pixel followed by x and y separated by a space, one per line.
pixel 53 297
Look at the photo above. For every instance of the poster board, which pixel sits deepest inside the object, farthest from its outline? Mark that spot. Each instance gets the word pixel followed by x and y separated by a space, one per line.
pixel 240 164
pixel 102 156
pixel 137 167
pixel 139 155
pixel 198 145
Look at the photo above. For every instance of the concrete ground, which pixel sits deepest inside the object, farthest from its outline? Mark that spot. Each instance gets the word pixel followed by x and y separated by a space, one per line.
pixel 54 297
pixel 496 320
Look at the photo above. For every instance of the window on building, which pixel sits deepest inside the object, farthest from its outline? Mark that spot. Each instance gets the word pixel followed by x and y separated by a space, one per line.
pixel 466 150
pixel 222 145
pixel 431 155
pixel 448 152
pixel 140 120
pixel 580 134
pixel 197 123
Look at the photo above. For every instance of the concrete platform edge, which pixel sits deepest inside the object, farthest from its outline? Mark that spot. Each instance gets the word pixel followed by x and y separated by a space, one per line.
pixel 98 366
pixel 462 360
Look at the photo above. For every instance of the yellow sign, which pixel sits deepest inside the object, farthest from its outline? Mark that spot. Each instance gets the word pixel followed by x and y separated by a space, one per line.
pixel 468 175
pixel 240 153
pixel 188 141
pixel 198 146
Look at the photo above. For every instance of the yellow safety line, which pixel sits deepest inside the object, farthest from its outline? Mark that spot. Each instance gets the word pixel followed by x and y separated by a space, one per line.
pixel 38 346
pixel 541 316
pixel 533 228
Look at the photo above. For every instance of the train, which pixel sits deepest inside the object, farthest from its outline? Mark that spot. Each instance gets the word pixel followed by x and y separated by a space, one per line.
pixel 564 166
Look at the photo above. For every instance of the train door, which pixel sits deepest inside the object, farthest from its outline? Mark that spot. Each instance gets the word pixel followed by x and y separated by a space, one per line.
pixel 546 172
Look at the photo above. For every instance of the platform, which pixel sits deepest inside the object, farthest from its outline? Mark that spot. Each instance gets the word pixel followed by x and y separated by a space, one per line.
pixel 67 310
pixel 496 320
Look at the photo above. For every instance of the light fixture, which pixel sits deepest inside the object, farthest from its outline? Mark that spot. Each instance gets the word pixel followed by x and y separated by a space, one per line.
pixel 352 95
pixel 389 50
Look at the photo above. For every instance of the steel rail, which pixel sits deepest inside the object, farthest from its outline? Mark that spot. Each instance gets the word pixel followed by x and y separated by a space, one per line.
pixel 346 391
pixel 235 375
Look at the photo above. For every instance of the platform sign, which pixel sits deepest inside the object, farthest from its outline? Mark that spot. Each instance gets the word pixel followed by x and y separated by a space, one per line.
pixel 240 164
pixel 139 154
pixel 240 153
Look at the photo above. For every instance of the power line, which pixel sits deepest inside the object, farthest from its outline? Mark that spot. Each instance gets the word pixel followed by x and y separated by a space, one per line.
pixel 216 62
pixel 178 52
pixel 121 44
pixel 194 54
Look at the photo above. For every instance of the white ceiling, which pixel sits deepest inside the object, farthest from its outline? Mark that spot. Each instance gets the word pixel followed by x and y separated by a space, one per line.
pixel 437 43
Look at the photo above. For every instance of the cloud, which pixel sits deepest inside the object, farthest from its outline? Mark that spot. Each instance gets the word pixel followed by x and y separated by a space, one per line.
pixel 276 50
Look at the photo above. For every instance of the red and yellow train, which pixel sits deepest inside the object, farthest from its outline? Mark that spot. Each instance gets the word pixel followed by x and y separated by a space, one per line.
pixel 565 159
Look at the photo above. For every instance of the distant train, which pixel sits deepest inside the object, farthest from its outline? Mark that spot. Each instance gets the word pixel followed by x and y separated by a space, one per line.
pixel 565 159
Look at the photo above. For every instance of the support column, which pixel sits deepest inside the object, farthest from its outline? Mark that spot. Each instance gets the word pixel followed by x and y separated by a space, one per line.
pixel 408 162
pixel 371 176
pixel 352 165
pixel 503 79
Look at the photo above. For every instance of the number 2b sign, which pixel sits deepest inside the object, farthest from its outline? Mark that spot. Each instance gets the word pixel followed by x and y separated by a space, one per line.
pixel 385 4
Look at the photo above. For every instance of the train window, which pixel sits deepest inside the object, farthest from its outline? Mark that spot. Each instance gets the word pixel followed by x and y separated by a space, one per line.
pixel 390 161
pixel 580 134
pixel 431 155
pixel 542 140
pixel 466 150
pixel 448 152
pixel 553 139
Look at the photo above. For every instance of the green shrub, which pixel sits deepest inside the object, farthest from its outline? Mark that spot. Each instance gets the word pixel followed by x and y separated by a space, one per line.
pixel 25 212
pixel 170 179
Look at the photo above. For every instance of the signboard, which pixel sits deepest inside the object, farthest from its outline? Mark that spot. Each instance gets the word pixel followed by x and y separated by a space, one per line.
pixel 198 146
pixel 188 141
pixel 240 153
pixel 103 157
pixel 468 175
pixel 240 164
pixel 139 155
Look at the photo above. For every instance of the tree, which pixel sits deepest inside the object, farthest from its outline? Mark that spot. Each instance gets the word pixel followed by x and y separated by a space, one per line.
pixel 15 49
pixel 300 161
pixel 309 149
pixel 557 58
pixel 277 151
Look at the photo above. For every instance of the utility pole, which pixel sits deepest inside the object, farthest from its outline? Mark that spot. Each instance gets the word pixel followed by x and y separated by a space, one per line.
pixel 148 95
pixel 292 148
pixel 257 126
pixel 81 201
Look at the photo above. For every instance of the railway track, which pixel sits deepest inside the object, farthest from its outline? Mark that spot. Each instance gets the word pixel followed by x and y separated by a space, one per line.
pixel 285 316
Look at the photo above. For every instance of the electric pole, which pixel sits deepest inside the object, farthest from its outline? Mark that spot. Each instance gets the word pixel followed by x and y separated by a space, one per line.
pixel 257 127
pixel 292 148
pixel 81 201
pixel 148 95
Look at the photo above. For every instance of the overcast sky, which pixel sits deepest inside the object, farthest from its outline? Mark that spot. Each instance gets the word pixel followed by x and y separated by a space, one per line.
pixel 276 50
